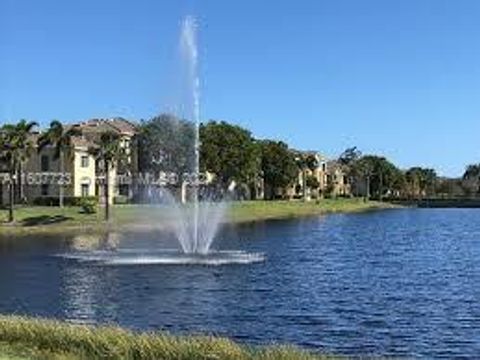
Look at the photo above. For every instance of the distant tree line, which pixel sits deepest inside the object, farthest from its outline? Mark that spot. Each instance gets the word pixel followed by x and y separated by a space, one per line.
pixel 233 154
pixel 228 151
pixel 383 179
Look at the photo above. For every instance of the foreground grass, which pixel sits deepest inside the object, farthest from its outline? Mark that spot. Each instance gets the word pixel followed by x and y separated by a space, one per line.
pixel 17 352
pixel 22 338
pixel 70 219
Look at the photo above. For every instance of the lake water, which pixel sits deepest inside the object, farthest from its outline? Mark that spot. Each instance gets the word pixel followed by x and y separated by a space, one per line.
pixel 397 282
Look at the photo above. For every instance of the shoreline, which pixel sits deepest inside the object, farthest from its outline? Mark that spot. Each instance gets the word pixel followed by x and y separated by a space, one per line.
pixel 140 218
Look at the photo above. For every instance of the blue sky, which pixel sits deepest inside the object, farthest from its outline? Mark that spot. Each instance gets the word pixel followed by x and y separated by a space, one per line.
pixel 399 78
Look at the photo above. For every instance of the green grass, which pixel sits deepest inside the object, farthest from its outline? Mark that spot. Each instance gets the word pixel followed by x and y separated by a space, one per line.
pixel 263 210
pixel 22 338
pixel 45 215
pixel 46 219
pixel 8 353
pixel 29 220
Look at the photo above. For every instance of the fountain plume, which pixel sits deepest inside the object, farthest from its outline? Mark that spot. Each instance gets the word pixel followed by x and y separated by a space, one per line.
pixel 199 221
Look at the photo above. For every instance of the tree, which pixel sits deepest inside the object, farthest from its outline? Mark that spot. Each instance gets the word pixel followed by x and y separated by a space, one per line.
pixel 347 160
pixel 109 153
pixel 5 156
pixel 313 183
pixel 448 187
pixel 278 165
pixel 312 162
pixel 413 180
pixel 230 152
pixel 363 168
pixel 471 179
pixel 349 156
pixel 61 138
pixel 420 181
pixel 23 134
pixel 399 183
pixel 380 176
pixel 16 147
pixel 166 144
pixel 306 162
pixel 302 166
pixel 429 181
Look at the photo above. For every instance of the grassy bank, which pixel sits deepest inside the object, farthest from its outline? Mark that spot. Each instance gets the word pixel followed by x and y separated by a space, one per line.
pixel 70 219
pixel 22 338
pixel 265 210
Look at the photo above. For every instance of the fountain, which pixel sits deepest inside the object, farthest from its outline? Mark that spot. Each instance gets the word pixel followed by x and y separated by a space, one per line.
pixel 196 216
pixel 199 223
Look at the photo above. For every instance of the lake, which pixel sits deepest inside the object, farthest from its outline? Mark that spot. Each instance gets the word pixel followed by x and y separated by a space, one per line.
pixel 397 283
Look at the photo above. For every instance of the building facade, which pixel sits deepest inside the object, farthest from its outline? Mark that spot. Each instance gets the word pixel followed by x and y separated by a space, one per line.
pixel 319 173
pixel 332 178
pixel 337 180
pixel 79 172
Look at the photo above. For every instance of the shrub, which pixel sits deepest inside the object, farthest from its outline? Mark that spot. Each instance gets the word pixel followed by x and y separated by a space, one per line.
pixel 80 200
pixel 88 205
pixel 67 200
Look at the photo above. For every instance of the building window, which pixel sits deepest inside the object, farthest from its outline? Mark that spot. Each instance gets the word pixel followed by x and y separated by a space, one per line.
pixel 84 161
pixel 324 167
pixel 44 162
pixel 44 190
pixel 85 190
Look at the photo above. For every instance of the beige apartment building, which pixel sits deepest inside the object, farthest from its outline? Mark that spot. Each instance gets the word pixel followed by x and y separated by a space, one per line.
pixel 330 174
pixel 84 176
pixel 81 173
pixel 319 173
pixel 337 179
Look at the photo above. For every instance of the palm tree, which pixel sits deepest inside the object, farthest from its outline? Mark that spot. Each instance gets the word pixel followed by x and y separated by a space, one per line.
pixel 471 179
pixel 302 166
pixel 421 181
pixel 61 138
pixel 312 164
pixel 364 168
pixel 306 162
pixel 23 131
pixel 348 160
pixel 109 153
pixel 5 157
pixel 16 146
pixel 472 171
pixel 430 181
pixel 413 177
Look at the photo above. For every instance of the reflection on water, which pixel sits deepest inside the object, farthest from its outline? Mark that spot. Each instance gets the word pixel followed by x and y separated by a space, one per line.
pixel 395 283
pixel 85 242
pixel 81 290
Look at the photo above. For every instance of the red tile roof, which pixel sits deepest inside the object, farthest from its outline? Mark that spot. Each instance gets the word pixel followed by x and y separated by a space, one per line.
pixel 119 125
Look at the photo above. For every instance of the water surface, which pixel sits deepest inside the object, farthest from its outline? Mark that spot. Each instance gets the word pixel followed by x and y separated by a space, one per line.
pixel 398 282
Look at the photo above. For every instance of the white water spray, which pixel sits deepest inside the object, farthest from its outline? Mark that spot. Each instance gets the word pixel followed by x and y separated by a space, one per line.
pixel 200 221
pixel 189 48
